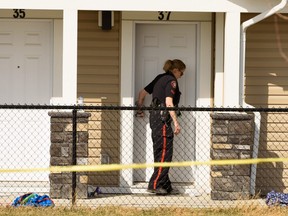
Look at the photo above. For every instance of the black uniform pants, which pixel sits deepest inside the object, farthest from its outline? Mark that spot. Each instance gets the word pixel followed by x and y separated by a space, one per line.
pixel 162 137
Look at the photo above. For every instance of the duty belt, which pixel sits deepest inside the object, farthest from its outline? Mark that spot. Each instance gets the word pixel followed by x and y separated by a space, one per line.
pixel 156 103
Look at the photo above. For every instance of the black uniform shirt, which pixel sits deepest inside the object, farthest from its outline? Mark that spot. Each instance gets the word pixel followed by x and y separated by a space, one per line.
pixel 167 86
pixel 150 86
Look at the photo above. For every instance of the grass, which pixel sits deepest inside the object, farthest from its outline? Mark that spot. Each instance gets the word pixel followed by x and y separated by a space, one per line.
pixel 119 211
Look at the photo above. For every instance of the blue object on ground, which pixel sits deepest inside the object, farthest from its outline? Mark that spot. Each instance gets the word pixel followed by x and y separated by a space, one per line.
pixel 33 199
pixel 277 199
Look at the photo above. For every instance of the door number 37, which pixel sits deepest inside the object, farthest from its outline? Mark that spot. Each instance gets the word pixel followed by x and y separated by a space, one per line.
pixel 164 15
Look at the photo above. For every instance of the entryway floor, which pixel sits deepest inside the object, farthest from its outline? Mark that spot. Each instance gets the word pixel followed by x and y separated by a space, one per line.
pixel 153 201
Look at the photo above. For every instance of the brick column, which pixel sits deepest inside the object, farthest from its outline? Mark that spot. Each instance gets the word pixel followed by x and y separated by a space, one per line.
pixel 61 153
pixel 232 138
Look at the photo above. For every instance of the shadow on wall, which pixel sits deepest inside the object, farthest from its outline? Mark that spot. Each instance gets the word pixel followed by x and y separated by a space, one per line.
pixel 269 175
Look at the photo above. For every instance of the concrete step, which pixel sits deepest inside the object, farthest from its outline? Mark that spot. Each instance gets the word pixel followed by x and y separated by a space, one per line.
pixel 183 188
pixel 20 187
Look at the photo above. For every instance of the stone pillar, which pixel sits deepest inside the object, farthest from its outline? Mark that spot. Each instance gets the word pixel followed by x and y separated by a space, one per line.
pixel 61 153
pixel 232 138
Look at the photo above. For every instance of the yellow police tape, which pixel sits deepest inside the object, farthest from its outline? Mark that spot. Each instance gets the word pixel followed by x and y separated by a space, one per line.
pixel 114 167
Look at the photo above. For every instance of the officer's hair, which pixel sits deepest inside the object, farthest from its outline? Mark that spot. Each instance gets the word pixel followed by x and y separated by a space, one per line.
pixel 172 64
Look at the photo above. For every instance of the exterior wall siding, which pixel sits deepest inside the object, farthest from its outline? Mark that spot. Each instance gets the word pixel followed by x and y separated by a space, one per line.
pixel 266 85
pixel 99 84
pixel 98 59
pixel 266 66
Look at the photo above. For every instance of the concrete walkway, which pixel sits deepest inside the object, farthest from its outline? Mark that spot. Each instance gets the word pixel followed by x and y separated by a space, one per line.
pixel 153 201
pixel 146 200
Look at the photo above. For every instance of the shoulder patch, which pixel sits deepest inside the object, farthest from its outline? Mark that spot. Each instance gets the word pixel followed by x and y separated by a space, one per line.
pixel 174 84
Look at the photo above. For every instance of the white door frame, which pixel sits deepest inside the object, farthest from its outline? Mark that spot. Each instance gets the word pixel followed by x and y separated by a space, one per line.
pixel 38 123
pixel 143 151
pixel 203 96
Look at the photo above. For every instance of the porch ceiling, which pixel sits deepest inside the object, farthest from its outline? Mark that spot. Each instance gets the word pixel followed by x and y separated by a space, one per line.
pixel 147 5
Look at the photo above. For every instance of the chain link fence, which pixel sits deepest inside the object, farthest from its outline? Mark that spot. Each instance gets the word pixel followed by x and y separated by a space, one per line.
pixel 110 138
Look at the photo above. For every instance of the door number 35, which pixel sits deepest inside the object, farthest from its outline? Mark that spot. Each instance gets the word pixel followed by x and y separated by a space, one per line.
pixel 19 13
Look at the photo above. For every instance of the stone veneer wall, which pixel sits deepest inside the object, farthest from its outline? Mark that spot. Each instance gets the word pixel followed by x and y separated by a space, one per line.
pixel 61 153
pixel 232 138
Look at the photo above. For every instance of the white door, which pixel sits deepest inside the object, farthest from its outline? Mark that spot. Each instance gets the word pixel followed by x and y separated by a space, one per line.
pixel 25 62
pixel 155 43
pixel 25 69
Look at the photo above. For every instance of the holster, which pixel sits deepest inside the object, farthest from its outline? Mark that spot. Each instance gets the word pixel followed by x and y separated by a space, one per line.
pixel 155 103
pixel 164 114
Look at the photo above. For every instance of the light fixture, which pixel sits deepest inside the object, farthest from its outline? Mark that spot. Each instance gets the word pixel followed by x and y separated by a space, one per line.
pixel 106 19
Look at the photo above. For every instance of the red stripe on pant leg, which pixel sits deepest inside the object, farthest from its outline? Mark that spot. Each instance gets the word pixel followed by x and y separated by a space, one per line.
pixel 162 156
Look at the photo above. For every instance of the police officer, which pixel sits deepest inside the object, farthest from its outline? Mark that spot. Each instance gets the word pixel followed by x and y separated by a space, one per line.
pixel 165 94
pixel 147 90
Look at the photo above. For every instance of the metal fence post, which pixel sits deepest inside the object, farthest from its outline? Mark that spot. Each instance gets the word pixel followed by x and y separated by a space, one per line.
pixel 74 156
